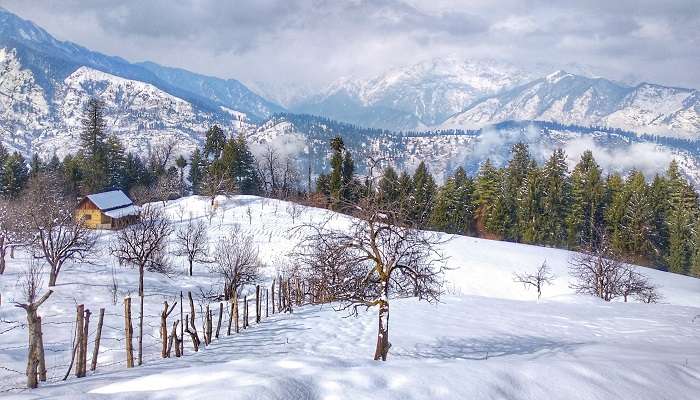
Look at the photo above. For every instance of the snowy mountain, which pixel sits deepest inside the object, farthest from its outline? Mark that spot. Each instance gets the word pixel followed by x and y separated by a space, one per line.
pixel 571 99
pixel 423 94
pixel 44 83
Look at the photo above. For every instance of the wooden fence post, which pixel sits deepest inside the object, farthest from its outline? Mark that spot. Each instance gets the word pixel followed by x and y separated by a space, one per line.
pixel 257 304
pixel 182 329
pixel 129 332
pixel 273 296
pixel 98 335
pixel 207 326
pixel 80 331
pixel 230 318
pixel 164 327
pixel 235 302
pixel 218 323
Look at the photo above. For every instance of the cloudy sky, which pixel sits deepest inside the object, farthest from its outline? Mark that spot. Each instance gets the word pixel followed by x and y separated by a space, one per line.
pixel 312 42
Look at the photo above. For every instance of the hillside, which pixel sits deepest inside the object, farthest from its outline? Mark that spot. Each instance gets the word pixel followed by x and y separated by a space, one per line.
pixel 487 338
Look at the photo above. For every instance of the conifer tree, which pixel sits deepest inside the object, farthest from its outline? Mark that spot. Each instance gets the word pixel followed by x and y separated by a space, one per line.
pixel 637 220
pixel 423 195
pixel 530 207
pixel 453 209
pixel 695 261
pixel 181 163
pixel 214 142
pixel 15 175
pixel 487 190
pixel 36 166
pixel 388 191
pixel 93 152
pixel 54 164
pixel 586 213
pixel 516 172
pixel 197 169
pixel 336 175
pixel 116 163
pixel 555 199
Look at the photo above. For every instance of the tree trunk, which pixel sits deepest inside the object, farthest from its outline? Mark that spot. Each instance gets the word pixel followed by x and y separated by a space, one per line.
pixel 128 333
pixel 40 350
pixel 235 312
pixel 3 250
pixel 182 329
pixel 32 355
pixel 164 330
pixel 383 344
pixel 190 267
pixel 267 303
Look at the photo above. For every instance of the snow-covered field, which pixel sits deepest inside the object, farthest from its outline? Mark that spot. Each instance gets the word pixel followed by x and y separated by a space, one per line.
pixel 488 338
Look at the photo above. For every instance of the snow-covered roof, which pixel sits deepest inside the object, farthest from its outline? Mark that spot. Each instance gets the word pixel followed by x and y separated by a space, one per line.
pixel 110 200
pixel 123 212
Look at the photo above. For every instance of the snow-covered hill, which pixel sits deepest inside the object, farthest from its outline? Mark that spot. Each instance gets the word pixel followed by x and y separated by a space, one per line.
pixel 488 338
pixel 570 99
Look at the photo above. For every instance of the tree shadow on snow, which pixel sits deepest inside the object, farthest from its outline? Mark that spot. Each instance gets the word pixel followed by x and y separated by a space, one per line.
pixel 446 348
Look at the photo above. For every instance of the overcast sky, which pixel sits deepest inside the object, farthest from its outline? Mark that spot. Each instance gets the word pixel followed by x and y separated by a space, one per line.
pixel 317 41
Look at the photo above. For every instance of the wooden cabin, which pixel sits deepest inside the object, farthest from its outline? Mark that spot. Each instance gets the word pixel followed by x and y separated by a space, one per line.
pixel 107 210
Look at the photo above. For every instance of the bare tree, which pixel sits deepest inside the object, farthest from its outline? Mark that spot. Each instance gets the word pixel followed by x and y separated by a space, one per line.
pixel 236 261
pixel 57 236
pixel 379 255
pixel 599 272
pixel 294 210
pixel 143 245
pixel 10 231
pixel 542 277
pixel 214 184
pixel 161 154
pixel 193 242
pixel 31 285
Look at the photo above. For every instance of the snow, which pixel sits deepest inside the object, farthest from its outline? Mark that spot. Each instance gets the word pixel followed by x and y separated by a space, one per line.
pixel 110 200
pixel 488 338
pixel 123 212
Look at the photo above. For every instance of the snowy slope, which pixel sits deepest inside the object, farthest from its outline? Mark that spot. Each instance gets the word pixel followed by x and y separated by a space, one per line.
pixel 571 99
pixel 487 339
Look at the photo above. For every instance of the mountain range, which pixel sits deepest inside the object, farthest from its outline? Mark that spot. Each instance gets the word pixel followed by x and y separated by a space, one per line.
pixel 441 105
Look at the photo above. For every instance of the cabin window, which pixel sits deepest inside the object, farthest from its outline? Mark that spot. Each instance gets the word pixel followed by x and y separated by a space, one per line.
pixel 87 216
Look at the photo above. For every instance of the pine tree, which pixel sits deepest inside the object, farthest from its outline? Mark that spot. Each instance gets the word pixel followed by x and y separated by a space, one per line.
pixel 15 175
pixel 531 208
pixel 214 142
pixel 585 217
pixel 516 172
pixel 423 195
pixel 555 199
pixel 197 169
pixel 181 163
pixel 336 175
pixel 93 153
pixel 695 261
pixel 637 221
pixel 659 199
pixel 116 163
pixel 36 166
pixel 388 191
pixel 54 164
pixel 244 172
pixel 3 158
pixel 682 211
pixel 487 190
pixel 348 173
pixel 453 209
pixel 615 200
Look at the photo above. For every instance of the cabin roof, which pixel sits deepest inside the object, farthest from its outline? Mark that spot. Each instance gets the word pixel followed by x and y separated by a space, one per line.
pixel 113 200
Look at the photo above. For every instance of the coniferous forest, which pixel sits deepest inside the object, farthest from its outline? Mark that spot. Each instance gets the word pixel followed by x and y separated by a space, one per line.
pixel 648 220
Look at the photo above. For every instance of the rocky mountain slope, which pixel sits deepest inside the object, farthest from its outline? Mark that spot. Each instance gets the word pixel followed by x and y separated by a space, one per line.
pixel 571 99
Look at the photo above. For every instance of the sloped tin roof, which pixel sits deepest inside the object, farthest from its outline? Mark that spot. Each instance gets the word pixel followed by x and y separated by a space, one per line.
pixel 110 200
